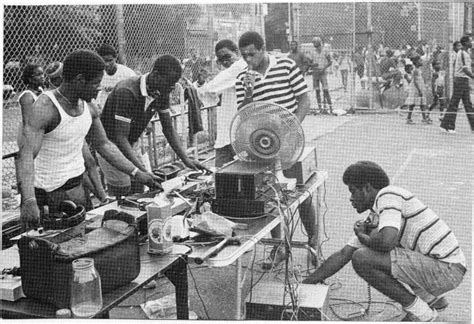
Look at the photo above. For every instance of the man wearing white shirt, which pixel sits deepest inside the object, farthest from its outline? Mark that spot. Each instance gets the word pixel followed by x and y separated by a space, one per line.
pixel 114 73
pixel 223 84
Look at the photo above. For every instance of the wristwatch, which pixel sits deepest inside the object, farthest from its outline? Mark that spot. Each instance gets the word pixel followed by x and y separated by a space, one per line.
pixel 134 172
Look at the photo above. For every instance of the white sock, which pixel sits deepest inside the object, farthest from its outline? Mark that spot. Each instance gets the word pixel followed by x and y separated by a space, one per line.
pixel 421 310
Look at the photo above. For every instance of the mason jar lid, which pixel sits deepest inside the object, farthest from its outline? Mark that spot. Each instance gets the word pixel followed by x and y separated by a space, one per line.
pixel 82 263
pixel 63 313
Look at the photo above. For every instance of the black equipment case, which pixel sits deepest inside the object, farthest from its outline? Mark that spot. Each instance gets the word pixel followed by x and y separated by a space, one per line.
pixel 46 265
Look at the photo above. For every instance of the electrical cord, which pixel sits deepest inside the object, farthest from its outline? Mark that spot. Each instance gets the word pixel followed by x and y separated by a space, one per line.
pixel 197 291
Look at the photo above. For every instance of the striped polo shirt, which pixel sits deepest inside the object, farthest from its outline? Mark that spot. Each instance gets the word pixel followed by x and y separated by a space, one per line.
pixel 281 84
pixel 420 229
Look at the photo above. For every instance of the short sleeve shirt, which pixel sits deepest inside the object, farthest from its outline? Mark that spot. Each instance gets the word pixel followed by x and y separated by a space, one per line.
pixel 282 83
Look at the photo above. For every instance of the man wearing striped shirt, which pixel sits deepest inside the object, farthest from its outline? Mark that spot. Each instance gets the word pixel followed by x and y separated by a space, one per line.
pixel 267 78
pixel 402 242
pixel 280 81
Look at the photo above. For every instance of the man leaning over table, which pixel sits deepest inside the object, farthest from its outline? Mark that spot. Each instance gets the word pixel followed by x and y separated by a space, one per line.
pixel 128 110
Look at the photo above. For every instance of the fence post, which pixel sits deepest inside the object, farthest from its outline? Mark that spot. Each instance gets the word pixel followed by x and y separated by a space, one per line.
pixel 120 33
pixel 369 55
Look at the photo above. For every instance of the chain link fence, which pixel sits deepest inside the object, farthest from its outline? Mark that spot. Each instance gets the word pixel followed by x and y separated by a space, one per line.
pixel 140 33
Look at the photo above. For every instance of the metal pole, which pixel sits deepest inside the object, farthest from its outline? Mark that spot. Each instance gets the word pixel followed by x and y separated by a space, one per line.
pixel 418 9
pixel 467 10
pixel 120 34
pixel 290 29
pixel 352 92
pixel 369 55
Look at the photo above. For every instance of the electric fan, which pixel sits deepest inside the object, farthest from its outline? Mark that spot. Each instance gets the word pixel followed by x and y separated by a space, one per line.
pixel 265 132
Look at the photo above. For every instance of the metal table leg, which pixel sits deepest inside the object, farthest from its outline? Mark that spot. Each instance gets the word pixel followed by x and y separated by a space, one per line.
pixel 178 276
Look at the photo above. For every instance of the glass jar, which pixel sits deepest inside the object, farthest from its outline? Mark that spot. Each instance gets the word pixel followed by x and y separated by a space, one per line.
pixel 86 292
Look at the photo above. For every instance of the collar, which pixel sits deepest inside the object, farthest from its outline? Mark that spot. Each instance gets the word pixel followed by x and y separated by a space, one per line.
pixel 272 61
pixel 143 89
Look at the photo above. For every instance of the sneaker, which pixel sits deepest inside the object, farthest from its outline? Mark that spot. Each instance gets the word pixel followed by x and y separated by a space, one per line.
pixel 410 122
pixel 447 131
pixel 277 255
pixel 427 121
pixel 324 112
pixel 409 317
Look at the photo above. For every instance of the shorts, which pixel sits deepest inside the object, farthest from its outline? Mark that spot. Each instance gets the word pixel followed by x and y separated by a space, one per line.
pixel 320 78
pixel 426 276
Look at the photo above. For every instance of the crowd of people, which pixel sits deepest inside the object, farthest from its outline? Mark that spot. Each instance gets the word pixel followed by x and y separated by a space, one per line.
pixel 89 101
pixel 410 68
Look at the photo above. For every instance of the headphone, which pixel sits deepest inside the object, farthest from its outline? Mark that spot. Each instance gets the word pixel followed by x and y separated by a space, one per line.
pixel 69 215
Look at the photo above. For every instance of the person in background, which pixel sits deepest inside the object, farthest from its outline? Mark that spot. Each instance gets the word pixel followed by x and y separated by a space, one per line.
pixel 128 110
pixel 437 88
pixel 114 72
pixel 461 91
pixel 301 60
pixel 53 74
pixel 359 64
pixel 407 79
pixel 194 64
pixel 401 243
pixel 321 61
pixel 389 71
pixel 345 65
pixel 50 163
pixel 223 85
pixel 33 78
pixel 416 93
pixel 203 74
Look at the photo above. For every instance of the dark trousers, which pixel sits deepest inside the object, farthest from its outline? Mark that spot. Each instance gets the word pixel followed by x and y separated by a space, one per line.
pixel 72 190
pixel 460 92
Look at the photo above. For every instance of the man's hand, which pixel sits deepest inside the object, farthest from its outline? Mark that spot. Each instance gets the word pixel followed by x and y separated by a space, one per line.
pixel 149 179
pixel 29 215
pixel 195 165
pixel 313 279
pixel 360 227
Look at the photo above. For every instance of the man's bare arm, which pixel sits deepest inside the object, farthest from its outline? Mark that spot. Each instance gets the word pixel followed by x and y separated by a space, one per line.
pixel 35 123
pixel 105 147
pixel 172 136
pixel 122 131
pixel 303 106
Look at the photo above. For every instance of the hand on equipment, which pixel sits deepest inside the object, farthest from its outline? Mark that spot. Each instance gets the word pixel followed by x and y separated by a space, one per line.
pixel 29 214
pixel 149 179
pixel 195 165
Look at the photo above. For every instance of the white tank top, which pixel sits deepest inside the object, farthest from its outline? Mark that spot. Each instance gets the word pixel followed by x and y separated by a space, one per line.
pixel 60 157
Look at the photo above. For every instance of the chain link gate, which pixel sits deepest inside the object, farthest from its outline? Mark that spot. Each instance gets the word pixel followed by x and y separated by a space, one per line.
pixel 140 33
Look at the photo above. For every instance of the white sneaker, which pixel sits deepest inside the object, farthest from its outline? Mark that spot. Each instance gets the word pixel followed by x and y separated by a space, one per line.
pixel 447 131
pixel 409 317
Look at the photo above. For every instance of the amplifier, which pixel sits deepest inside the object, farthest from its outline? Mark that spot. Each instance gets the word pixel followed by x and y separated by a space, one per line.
pixel 242 180
pixel 267 302
pixel 304 167
pixel 238 207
